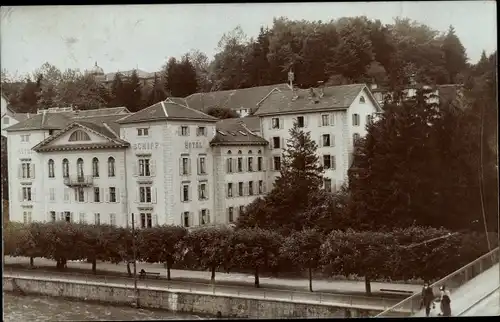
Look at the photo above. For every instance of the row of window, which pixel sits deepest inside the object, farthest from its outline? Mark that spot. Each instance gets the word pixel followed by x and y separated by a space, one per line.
pixel 324 120
pixel 245 189
pixel 184 130
pixel 202 191
pixel 79 168
pixel 97 194
pixel 329 162
pixel 239 165
pixel 146 219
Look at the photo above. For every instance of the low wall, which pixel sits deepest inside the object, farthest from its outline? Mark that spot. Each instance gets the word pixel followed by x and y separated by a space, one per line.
pixel 196 303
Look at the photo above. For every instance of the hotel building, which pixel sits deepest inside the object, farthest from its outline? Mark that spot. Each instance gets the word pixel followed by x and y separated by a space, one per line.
pixel 171 163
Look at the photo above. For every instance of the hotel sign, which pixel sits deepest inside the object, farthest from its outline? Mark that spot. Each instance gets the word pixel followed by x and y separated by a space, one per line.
pixel 193 145
pixel 146 146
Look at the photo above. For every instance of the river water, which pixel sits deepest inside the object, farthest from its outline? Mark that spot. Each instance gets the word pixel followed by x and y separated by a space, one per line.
pixel 37 308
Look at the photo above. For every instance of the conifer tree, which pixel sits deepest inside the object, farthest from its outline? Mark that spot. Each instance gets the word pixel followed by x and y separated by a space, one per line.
pixel 454 55
pixel 301 176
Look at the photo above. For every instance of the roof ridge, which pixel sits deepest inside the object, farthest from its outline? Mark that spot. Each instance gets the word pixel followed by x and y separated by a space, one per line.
pixel 199 112
pixel 132 114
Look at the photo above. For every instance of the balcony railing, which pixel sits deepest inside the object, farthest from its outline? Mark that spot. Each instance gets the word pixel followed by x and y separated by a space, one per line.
pixel 79 181
pixel 411 305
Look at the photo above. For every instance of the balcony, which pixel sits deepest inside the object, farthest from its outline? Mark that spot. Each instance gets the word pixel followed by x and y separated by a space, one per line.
pixel 79 181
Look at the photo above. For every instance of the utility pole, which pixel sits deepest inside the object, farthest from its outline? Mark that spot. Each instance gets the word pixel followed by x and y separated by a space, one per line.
pixel 135 263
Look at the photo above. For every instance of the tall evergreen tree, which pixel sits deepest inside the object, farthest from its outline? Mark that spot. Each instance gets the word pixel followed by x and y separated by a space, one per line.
pixel 301 176
pixel 454 54
pixel 132 92
pixel 157 93
pixel 117 91
pixel 181 78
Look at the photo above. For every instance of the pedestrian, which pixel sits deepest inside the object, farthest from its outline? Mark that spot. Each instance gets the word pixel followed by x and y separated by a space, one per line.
pixel 427 298
pixel 445 301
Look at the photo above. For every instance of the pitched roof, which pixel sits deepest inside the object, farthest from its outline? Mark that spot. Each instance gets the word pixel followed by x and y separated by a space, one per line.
pixel 235 132
pixel 335 97
pixel 53 120
pixel 170 109
pixel 95 125
pixel 251 122
pixel 20 117
pixel 233 99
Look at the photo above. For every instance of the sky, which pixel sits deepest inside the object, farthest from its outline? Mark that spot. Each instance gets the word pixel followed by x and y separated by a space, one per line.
pixel 124 37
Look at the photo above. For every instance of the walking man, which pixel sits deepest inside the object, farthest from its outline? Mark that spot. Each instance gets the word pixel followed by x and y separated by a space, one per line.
pixel 427 298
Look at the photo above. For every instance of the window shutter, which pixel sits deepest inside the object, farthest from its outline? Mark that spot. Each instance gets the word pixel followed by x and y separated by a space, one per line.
pixel 101 194
pixel 282 121
pixel 32 170
pixel 207 191
pixel 71 218
pixel 19 171
pixel 189 166
pixel 270 124
pixel 117 194
pixel 271 163
pixel 227 190
pixel 332 140
pixel 320 142
pixel 181 194
pixel 135 171
pixel 61 216
pixel 155 220
pixel 154 196
pixel 87 199
pixel 180 166
pixel 235 165
pixel 199 218
pixel 334 163
pixel 228 162
pixel 332 119
pixel 152 169
pixel 33 197
pixel 264 187
pixel 106 195
pixel 282 143
pixel 245 188
pixel 191 219
pixel 306 118
pixel 208 217
pixel 199 191
pixel 179 130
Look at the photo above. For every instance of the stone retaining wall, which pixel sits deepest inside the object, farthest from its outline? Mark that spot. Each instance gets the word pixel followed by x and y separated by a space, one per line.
pixel 196 303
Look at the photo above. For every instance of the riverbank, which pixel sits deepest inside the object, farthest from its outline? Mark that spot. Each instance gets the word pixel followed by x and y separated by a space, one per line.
pixel 194 302
pixel 342 286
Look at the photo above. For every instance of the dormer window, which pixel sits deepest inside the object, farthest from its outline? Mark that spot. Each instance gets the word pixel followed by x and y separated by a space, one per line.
pixel 79 135
pixel 362 100
pixel 143 131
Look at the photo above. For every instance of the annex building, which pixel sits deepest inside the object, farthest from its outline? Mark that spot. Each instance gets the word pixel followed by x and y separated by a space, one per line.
pixel 170 163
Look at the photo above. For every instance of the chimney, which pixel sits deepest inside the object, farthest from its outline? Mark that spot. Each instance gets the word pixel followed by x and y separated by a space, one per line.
pixel 321 89
pixel 291 78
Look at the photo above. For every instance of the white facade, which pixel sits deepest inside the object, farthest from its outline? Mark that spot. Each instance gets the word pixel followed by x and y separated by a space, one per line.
pixel 334 132
pixel 166 170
